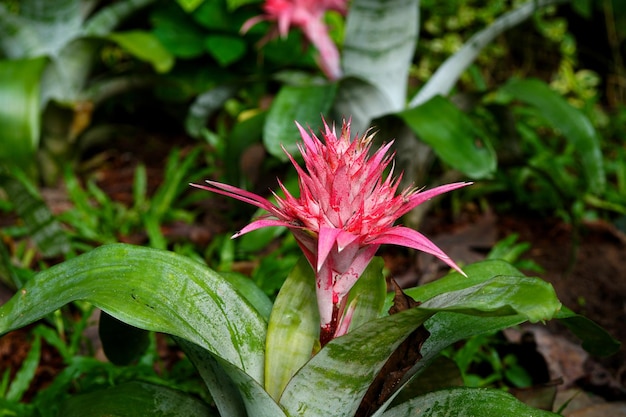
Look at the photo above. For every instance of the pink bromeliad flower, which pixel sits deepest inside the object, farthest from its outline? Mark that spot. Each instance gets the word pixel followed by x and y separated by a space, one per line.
pixel 308 15
pixel 345 211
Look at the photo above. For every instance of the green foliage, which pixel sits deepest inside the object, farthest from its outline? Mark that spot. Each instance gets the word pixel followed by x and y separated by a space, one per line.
pixel 253 356
pixel 99 219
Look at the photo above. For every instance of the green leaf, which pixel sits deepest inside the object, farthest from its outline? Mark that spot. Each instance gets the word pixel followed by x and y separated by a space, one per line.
pixel 361 101
pixel 20 121
pixel 293 330
pixel 247 288
pixel 477 273
pixel 225 49
pixel 44 28
pixel 457 402
pixel 570 121
pixel 303 104
pixel 233 390
pixel 153 290
pixel 224 392
pixel 343 370
pixel 135 399
pixel 596 340
pixel 43 228
pixel 379 45
pixel 453 136
pixel 26 373
pixel 531 297
pixel 189 5
pixel 234 4
pixel 177 31
pixel 122 343
pixel 145 46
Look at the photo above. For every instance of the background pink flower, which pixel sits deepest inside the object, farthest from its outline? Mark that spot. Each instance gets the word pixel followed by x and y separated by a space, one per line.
pixel 308 15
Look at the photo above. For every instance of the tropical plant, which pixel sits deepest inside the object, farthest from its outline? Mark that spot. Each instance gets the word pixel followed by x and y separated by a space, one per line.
pixel 260 359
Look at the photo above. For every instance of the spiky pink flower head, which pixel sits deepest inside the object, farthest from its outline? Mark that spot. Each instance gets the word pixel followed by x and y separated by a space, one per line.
pixel 346 209
pixel 308 15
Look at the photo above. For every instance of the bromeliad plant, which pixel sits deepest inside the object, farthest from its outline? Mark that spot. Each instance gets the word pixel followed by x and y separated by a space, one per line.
pixel 329 345
pixel 345 211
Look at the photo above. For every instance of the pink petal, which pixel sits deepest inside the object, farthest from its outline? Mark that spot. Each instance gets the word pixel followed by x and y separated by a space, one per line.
pixel 403 236
pixel 418 198
pixel 240 194
pixel 260 223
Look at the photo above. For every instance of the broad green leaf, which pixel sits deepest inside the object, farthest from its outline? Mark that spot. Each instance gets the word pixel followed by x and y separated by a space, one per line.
pixel 453 136
pixel 368 294
pixel 225 49
pixel 176 31
pixel 448 73
pixel 303 104
pixel 595 339
pixel 43 228
pixel 20 122
pixel 361 101
pixel 16 38
pixel 145 46
pixel 379 45
pixel 477 273
pixel 293 330
pixel 224 392
pixel 44 28
pixel 466 402
pixel 532 297
pixel 235 393
pixel 570 121
pixel 122 343
pixel 247 288
pixel 153 290
pixel 135 399
pixel 343 370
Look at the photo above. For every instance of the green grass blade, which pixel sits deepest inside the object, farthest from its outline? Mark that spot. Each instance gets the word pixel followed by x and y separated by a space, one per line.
pixel 153 290
pixel 43 228
pixel 25 375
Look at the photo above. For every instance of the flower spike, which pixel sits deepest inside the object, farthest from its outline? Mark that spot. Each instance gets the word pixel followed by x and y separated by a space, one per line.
pixel 346 209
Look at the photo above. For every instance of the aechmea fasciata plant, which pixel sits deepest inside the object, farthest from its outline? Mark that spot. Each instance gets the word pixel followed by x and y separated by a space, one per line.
pixel 346 209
